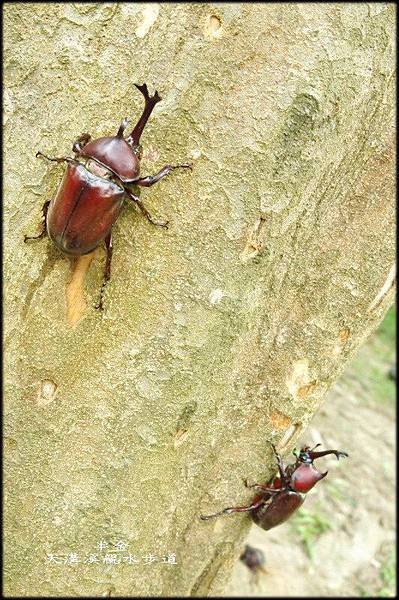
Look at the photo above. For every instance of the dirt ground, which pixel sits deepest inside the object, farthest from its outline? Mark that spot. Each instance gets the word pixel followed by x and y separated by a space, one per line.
pixel 341 542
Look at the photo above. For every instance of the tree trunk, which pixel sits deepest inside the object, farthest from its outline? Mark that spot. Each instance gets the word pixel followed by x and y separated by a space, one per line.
pixel 219 335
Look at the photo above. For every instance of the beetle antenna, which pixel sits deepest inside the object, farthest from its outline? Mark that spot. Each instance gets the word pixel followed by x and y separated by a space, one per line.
pixel 314 447
pixel 150 102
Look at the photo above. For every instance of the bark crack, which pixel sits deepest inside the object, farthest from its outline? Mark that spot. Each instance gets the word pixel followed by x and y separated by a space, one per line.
pixel 223 551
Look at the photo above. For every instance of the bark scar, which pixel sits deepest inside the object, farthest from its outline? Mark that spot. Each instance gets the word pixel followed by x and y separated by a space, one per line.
pixel 203 583
pixel 388 285
pixel 75 300
pixel 255 240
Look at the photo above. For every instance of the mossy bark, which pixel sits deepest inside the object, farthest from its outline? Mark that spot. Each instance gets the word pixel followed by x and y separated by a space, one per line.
pixel 222 333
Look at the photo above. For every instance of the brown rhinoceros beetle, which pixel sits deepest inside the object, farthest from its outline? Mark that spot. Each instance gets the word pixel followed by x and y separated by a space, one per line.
pixel 284 494
pixel 95 185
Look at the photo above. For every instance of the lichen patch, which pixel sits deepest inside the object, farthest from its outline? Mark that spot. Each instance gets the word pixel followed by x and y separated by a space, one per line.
pixel 215 296
pixel 150 15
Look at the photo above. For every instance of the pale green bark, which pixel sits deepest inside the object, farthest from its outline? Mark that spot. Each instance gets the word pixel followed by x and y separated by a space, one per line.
pixel 220 334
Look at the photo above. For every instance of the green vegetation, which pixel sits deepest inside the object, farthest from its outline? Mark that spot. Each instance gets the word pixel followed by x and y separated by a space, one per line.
pixel 387 576
pixel 372 364
pixel 309 526
pixel 387 330
pixel 384 586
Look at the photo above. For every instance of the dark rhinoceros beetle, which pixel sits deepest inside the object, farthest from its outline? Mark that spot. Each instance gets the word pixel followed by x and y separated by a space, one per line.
pixel 95 185
pixel 254 559
pixel 284 494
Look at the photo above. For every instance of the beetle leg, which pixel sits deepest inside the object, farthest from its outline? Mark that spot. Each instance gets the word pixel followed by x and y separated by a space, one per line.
pixel 264 488
pixel 143 209
pixel 280 465
pixel 44 224
pixel 151 179
pixel 107 270
pixel 55 159
pixel 233 509
pixel 80 142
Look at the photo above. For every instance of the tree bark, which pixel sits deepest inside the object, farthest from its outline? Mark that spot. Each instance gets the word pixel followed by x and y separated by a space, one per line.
pixel 220 335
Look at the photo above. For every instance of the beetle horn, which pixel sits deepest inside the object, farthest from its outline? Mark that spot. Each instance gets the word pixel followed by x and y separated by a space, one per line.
pixel 122 128
pixel 143 89
pixel 150 102
pixel 337 453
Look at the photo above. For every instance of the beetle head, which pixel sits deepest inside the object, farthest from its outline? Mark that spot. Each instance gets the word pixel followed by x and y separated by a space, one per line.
pixel 304 474
pixel 306 454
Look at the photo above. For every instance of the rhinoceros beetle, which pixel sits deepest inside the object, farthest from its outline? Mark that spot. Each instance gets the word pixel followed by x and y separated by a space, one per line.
pixel 284 494
pixel 95 185
pixel 254 559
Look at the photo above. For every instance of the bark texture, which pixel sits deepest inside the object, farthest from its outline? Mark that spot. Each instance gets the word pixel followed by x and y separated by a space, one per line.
pixel 222 333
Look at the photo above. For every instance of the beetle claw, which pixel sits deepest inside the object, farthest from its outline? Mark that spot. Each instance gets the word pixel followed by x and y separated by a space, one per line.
pixel 184 166
pixel 163 224
pixel 341 455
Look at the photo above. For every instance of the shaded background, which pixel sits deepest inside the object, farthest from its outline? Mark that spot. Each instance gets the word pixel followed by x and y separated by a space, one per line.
pixel 342 541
